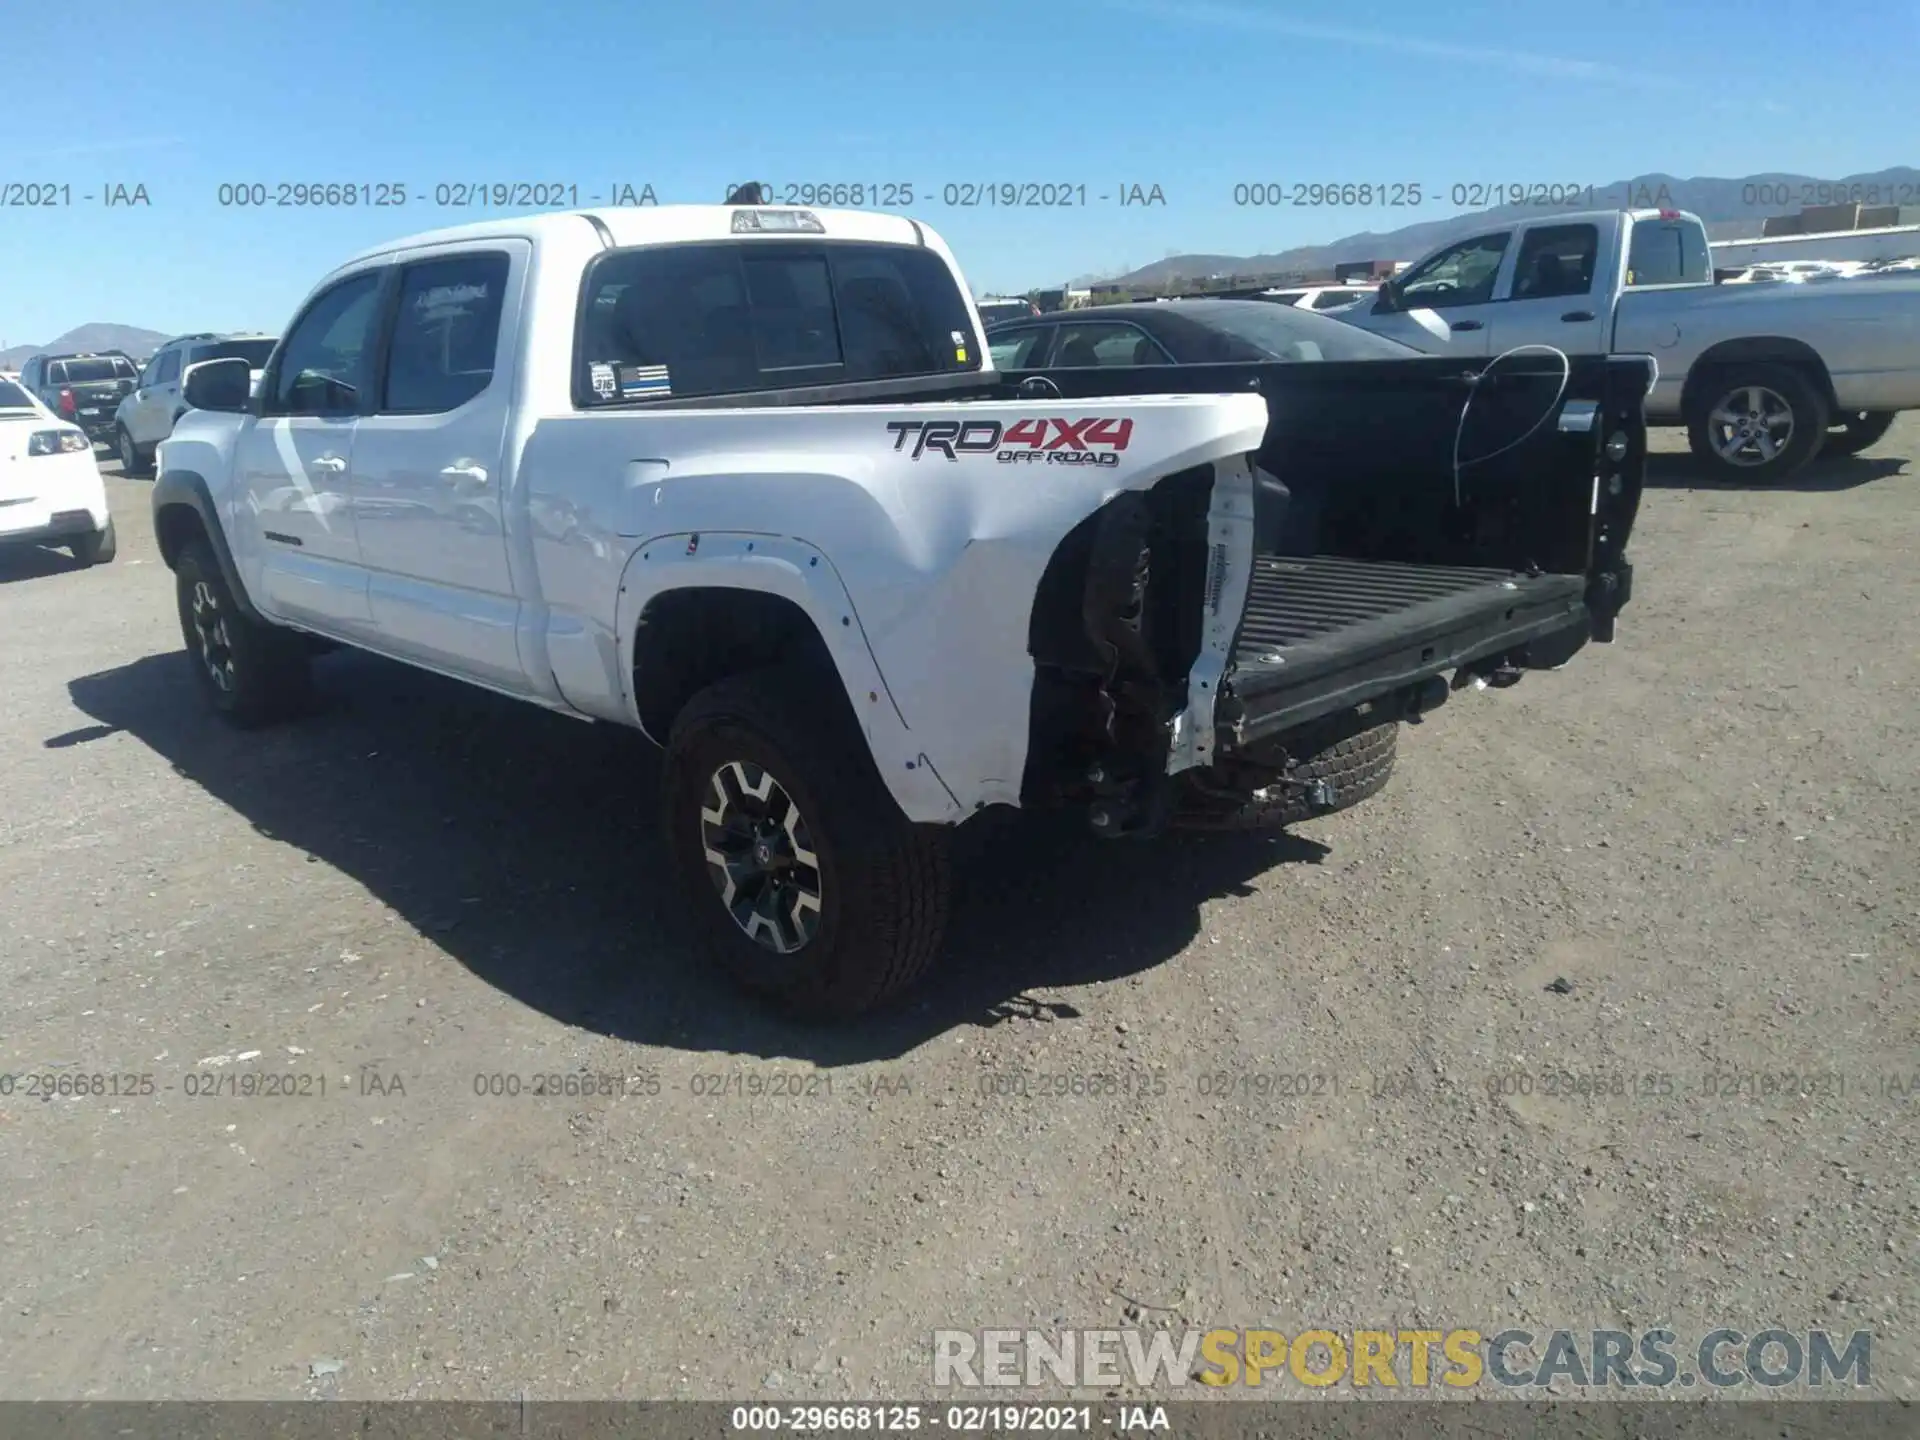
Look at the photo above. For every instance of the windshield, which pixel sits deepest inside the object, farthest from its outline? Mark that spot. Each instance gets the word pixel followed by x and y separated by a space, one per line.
pixel 12 397
pixel 254 352
pixel 88 372
pixel 1285 332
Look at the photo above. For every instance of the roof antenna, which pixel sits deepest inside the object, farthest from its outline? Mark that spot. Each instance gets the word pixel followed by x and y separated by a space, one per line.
pixel 747 194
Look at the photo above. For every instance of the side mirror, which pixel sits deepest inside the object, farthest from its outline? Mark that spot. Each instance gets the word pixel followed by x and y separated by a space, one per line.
pixel 1388 302
pixel 125 387
pixel 218 385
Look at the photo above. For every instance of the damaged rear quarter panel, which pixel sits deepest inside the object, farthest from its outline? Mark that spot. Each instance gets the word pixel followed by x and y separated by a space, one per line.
pixel 941 557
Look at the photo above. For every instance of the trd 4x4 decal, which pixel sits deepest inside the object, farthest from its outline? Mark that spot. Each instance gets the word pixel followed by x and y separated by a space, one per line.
pixel 1091 440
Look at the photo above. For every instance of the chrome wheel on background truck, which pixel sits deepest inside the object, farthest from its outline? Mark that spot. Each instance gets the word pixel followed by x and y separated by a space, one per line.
pixel 1756 423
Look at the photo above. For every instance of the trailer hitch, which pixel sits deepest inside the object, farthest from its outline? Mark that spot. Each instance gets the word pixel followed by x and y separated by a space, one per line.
pixel 1499 673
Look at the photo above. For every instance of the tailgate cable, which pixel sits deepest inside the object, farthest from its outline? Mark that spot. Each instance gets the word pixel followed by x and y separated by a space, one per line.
pixel 1473 384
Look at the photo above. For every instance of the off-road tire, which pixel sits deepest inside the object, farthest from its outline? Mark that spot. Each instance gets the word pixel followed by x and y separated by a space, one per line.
pixel 1803 398
pixel 1854 431
pixel 269 671
pixel 96 547
pixel 133 460
pixel 1358 768
pixel 885 883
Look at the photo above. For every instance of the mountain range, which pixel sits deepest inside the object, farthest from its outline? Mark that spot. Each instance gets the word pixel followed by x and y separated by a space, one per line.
pixel 1728 206
pixel 95 337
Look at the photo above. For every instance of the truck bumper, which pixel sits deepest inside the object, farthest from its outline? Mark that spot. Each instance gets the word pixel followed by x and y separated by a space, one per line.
pixel 50 529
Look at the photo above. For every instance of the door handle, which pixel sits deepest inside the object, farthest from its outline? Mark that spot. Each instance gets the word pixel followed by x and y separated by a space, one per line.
pixel 332 464
pixel 1467 324
pixel 1575 316
pixel 475 473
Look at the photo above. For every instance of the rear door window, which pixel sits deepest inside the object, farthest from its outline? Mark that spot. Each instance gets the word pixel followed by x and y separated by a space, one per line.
pixel 723 318
pixel 445 333
pixel 1106 344
pixel 1555 260
pixel 1018 349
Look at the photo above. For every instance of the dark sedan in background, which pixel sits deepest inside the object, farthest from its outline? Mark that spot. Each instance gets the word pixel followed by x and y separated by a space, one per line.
pixel 1182 332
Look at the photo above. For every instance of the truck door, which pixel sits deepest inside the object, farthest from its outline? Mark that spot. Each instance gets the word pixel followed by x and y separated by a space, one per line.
pixel 292 517
pixel 427 466
pixel 1440 306
pixel 150 416
pixel 1554 295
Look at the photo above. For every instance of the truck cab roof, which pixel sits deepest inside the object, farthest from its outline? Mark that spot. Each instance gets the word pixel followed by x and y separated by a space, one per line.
pixel 622 227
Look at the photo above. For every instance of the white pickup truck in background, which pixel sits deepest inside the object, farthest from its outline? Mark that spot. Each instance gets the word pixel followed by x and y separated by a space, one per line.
pixel 1759 374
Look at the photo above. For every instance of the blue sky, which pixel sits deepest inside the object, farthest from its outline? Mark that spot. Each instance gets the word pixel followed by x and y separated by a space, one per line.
pixel 1102 93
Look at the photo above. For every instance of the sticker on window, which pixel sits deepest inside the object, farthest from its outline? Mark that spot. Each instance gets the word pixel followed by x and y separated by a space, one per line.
pixel 644 382
pixel 606 386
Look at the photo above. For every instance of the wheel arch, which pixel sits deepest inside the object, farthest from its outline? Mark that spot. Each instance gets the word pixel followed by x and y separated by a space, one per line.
pixel 1755 350
pixel 697 609
pixel 183 510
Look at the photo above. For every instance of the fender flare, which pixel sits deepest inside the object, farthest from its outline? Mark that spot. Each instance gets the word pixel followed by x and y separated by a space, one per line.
pixel 187 489
pixel 798 572
pixel 1755 350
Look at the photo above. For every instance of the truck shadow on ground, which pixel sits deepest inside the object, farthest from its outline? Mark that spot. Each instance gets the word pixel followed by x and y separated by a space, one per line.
pixel 525 845
pixel 34 562
pixel 1667 471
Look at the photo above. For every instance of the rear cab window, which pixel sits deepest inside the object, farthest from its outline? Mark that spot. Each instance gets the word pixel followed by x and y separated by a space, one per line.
pixel 92 371
pixel 732 317
pixel 1668 252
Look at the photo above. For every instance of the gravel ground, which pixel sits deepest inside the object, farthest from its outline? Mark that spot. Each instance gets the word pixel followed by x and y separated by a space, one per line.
pixel 1706 831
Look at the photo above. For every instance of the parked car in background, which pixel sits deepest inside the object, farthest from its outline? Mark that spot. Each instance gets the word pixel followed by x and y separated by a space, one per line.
pixel 1183 332
pixel 51 492
pixel 994 309
pixel 82 389
pixel 146 416
pixel 1758 374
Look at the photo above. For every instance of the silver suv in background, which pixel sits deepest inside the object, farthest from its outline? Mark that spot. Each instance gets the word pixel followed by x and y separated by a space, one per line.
pixel 146 416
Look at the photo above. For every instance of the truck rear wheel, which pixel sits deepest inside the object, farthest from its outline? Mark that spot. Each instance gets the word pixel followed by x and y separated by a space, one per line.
pixel 250 672
pixel 1756 423
pixel 807 884
pixel 1356 767
pixel 1855 430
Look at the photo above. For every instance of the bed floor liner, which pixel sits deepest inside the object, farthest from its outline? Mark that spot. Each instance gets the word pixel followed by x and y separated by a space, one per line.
pixel 1323 632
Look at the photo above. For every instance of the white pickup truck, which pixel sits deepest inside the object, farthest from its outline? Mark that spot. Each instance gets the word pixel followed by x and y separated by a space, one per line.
pixel 743 478
pixel 1759 374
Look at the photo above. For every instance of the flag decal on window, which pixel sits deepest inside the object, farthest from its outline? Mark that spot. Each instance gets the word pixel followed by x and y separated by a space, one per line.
pixel 644 381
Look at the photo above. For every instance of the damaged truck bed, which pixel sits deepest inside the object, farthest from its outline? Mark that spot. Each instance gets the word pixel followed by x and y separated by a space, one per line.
pixel 1382 550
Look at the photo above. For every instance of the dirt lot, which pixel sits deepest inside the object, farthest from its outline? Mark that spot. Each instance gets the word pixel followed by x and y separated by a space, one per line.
pixel 422 894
